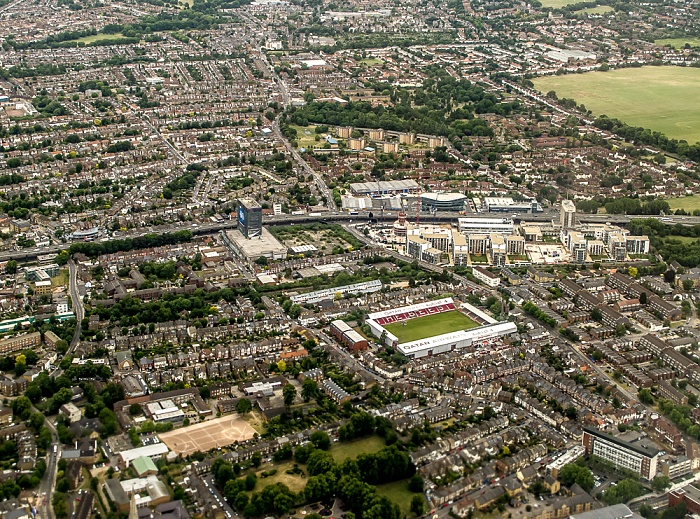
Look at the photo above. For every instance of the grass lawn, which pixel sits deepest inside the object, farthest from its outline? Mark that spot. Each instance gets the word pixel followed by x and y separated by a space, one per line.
pixel 61 279
pixel 430 325
pixel 344 450
pixel 399 493
pixel 479 258
pixel 598 9
pixel 306 136
pixel 689 203
pixel 556 4
pixel 98 37
pixel 255 420
pixel 371 61
pixel 295 482
pixel 659 98
pixel 683 239
pixel 679 43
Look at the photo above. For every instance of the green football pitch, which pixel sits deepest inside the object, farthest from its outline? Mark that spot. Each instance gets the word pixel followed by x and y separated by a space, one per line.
pixel 430 325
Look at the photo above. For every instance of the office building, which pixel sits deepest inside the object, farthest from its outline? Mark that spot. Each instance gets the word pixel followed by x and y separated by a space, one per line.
pixel 640 459
pixel 567 217
pixel 249 218
pixel 485 225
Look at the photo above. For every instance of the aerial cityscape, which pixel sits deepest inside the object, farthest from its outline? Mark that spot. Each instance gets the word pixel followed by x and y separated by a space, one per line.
pixel 351 260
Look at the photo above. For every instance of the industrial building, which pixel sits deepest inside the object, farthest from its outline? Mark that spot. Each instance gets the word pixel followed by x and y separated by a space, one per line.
pixel 263 245
pixel 505 204
pixel 345 334
pixel 450 202
pixel 385 187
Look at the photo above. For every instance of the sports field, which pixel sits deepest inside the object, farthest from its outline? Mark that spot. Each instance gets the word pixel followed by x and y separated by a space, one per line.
pixel 662 99
pixel 430 325
pixel 203 436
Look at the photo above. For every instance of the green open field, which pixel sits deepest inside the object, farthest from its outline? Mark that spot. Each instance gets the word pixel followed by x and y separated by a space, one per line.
pixel 678 43
pixel 295 482
pixel 662 99
pixel 340 451
pixel 598 9
pixel 689 203
pixel 98 37
pixel 556 4
pixel 399 493
pixel 430 325
pixel 344 450
pixel 306 137
pixel 682 239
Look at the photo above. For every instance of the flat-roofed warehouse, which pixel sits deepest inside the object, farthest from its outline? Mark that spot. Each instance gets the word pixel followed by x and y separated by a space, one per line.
pixel 385 187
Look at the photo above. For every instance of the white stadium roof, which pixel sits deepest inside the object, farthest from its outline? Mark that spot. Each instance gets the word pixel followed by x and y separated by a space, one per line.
pixel 483 333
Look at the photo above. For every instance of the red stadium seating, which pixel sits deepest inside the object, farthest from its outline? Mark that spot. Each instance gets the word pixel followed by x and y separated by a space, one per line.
pixel 404 316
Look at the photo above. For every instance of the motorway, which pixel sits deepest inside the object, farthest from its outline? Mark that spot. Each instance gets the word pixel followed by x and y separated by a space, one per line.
pixel 338 216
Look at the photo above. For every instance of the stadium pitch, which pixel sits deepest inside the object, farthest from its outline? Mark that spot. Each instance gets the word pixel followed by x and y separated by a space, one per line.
pixel 430 326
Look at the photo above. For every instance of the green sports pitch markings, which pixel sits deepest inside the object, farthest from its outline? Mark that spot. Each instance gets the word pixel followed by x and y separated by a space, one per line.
pixel 663 99
pixel 430 326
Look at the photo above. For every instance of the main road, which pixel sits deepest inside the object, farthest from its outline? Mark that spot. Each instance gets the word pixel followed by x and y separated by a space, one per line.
pixel 77 301
pixel 46 487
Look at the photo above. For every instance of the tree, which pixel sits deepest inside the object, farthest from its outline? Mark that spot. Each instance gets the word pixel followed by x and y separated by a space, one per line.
pixel 626 490
pixel 643 298
pixel 633 272
pixel 669 276
pixel 415 484
pixel 243 406
pixel 688 285
pixel 289 393
pixel 573 473
pixel 645 396
pixel 309 389
pixel 250 482
pixel 281 366
pixel 320 440
pixel 134 409
pixel 11 267
pixel 22 407
pixel 417 505
pixel 256 460
pixel 660 483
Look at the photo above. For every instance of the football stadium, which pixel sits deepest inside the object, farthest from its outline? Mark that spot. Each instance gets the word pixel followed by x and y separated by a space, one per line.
pixel 436 327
